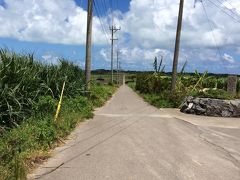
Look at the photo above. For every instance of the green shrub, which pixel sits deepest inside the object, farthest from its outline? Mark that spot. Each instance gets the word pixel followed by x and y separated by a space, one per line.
pixel 189 80
pixel 132 85
pixel 45 133
pixel 79 104
pixel 238 86
pixel 222 83
pixel 99 94
pixel 45 105
pixel 110 83
pixel 156 88
pixel 150 83
pixel 141 83
pixel 210 82
pixel 158 100
pixel 212 93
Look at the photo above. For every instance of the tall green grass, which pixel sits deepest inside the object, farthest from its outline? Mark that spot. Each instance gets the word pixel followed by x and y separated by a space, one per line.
pixel 155 88
pixel 23 147
pixel 23 81
pixel 29 93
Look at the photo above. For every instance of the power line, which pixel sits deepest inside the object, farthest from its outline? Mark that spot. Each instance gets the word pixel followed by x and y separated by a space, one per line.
pixel 101 23
pixel 108 5
pixel 219 6
pixel 225 12
pixel 236 15
pixel 117 6
pixel 103 2
pixel 230 4
pixel 111 4
pixel 104 8
pixel 167 34
pixel 100 7
pixel 211 27
pixel 98 15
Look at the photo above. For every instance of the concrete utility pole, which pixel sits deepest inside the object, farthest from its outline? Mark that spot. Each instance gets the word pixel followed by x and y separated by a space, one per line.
pixel 177 45
pixel 113 30
pixel 88 45
pixel 118 66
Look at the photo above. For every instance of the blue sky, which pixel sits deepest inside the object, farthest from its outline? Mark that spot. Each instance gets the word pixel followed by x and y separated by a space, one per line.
pixel 54 29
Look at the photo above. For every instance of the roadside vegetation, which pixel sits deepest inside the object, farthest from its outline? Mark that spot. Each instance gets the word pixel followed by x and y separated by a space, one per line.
pixel 29 95
pixel 155 87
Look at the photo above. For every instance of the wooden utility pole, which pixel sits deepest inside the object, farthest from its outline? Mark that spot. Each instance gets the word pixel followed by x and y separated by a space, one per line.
pixel 113 30
pixel 177 45
pixel 88 45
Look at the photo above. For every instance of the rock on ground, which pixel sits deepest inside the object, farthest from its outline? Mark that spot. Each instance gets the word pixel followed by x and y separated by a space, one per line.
pixel 211 107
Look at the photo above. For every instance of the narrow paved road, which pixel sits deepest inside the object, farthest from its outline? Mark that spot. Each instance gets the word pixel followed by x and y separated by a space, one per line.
pixel 131 140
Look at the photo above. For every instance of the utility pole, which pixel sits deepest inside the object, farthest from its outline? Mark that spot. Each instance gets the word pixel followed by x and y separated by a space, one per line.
pixel 177 45
pixel 88 45
pixel 118 66
pixel 113 30
pixel 119 71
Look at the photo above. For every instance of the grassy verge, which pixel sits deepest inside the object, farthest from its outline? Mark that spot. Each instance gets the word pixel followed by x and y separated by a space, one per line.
pixel 22 147
pixel 158 100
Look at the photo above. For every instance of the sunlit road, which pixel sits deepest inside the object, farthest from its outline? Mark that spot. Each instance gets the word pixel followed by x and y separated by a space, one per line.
pixel 131 140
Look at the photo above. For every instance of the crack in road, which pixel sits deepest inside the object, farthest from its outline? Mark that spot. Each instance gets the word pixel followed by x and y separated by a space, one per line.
pixel 203 131
pixel 220 148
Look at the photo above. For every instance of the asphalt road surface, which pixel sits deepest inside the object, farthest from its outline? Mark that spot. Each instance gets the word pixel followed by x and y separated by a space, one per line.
pixel 131 140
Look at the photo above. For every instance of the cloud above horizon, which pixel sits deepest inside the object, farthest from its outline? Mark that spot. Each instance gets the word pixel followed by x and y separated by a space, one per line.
pixel 51 21
pixel 148 30
pixel 209 35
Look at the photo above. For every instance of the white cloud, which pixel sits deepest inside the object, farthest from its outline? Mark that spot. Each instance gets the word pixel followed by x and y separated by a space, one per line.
pixel 148 29
pixel 154 24
pixel 138 54
pixel 49 58
pixel 228 58
pixel 51 21
pixel 105 54
pixel 150 24
pixel 138 57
